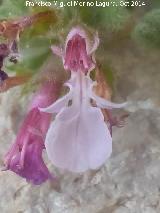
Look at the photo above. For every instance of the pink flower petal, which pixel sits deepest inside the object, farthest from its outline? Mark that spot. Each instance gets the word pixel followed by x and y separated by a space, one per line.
pixel 103 103
pixel 79 140
pixel 25 155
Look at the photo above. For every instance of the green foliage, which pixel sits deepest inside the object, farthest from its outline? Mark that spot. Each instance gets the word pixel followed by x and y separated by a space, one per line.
pixel 155 4
pixel 114 18
pixel 12 8
pixel 111 18
pixel 147 31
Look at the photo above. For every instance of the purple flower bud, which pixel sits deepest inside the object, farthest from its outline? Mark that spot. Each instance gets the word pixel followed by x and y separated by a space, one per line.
pixel 25 156
pixel 26 161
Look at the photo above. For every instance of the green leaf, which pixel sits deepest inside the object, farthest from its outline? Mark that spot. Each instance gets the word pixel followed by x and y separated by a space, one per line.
pixel 111 18
pixel 13 8
pixel 147 31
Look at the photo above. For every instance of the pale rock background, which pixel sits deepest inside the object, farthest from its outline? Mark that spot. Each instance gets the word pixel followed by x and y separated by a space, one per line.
pixel 129 182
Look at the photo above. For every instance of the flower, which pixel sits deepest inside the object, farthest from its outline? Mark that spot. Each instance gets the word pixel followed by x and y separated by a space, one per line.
pixel 26 160
pixel 78 51
pixel 78 139
pixel 25 155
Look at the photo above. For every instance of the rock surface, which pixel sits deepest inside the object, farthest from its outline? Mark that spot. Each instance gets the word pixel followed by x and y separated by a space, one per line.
pixel 129 182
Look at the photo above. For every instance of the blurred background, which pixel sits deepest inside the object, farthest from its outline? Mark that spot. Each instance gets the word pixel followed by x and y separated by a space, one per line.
pixel 129 56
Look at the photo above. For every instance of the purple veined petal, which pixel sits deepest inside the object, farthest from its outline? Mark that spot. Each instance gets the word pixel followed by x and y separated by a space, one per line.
pixel 76 57
pixel 34 169
pixel 80 143
pixel 78 50
pixel 60 103
pixel 25 155
pixel 90 46
pixel 74 31
pixel 35 131
pixel 103 103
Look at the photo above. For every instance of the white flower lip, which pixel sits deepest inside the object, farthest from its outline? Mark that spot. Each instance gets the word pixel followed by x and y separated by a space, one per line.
pixel 79 139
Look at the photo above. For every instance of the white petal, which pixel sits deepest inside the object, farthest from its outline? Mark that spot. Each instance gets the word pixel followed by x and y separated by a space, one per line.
pixel 79 139
pixel 95 43
pixel 103 103
pixel 60 103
